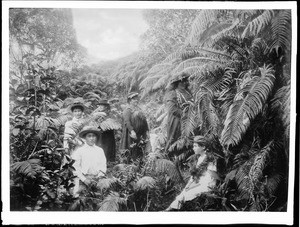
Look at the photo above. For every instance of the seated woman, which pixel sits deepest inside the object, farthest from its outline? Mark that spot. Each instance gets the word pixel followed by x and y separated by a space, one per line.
pixel 203 175
pixel 90 160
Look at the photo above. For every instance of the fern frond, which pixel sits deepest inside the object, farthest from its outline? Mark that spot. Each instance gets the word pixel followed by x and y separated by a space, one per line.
pixel 106 183
pixel 246 108
pixel 281 102
pixel 260 22
pixel 260 162
pixel 188 123
pixel 200 24
pixel 207 111
pixel 243 181
pixel 164 166
pixel 109 124
pixel 112 202
pixel 281 31
pixel 145 182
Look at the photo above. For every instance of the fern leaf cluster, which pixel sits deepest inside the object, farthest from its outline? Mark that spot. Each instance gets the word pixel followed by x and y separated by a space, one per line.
pixel 248 103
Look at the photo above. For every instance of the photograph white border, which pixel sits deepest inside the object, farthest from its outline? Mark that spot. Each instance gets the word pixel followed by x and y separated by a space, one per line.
pixel 9 217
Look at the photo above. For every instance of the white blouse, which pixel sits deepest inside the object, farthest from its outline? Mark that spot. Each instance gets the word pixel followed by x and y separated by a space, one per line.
pixel 89 160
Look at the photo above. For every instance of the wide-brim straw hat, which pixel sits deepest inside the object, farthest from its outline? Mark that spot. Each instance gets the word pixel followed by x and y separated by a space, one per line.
pixel 89 129
pixel 179 77
pixel 77 105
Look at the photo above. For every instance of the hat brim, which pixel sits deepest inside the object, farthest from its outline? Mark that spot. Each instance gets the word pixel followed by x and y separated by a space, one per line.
pixel 82 134
pixel 78 106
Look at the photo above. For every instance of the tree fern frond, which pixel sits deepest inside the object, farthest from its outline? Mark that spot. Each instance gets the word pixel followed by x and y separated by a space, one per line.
pixel 112 202
pixel 29 168
pixel 145 182
pixel 109 124
pixel 106 183
pixel 188 123
pixel 246 108
pixel 243 181
pixel 281 102
pixel 281 30
pixel 200 24
pixel 207 111
pixel 161 82
pixel 260 22
pixel 174 56
pixel 260 162
pixel 181 143
pixel 164 166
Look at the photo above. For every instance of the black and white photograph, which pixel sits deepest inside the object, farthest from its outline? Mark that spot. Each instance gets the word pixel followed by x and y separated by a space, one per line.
pixel 145 109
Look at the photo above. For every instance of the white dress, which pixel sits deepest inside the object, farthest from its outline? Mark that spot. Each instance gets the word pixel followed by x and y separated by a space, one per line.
pixel 193 189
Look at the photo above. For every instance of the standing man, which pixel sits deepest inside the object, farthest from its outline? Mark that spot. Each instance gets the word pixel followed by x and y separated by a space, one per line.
pixel 177 95
pixel 135 128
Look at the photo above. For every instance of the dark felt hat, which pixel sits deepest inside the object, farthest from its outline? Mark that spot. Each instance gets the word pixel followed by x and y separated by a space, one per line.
pixel 77 105
pixel 89 129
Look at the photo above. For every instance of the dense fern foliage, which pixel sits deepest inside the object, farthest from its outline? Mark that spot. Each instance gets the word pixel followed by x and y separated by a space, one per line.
pixel 239 62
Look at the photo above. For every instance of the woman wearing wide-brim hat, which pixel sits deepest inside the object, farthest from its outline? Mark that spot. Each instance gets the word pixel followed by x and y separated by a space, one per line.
pixel 178 93
pixel 70 141
pixel 108 125
pixel 135 127
pixel 90 160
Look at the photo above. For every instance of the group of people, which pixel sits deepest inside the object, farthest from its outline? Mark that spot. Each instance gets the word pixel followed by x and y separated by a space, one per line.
pixel 92 147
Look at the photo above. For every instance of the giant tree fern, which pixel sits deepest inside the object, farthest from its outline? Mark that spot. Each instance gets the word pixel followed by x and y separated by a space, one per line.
pixel 248 102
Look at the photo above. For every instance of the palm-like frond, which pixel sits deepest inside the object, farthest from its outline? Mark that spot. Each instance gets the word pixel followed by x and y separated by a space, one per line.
pixel 145 182
pixel 281 102
pixel 106 183
pixel 112 202
pixel 29 168
pixel 189 64
pixel 243 181
pixel 188 123
pixel 109 124
pixel 281 30
pixel 164 166
pixel 260 162
pixel 181 143
pixel 257 24
pixel 200 24
pixel 209 120
pixel 246 108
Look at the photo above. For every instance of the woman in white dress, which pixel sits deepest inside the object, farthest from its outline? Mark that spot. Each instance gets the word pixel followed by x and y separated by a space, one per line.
pixel 203 175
